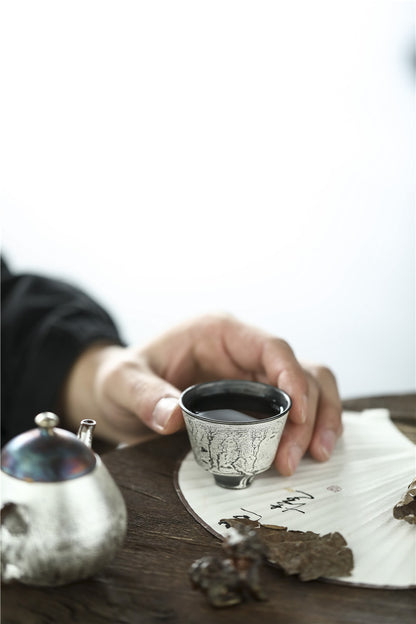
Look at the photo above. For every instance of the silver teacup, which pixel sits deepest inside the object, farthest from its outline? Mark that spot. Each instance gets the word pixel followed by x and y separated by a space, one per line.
pixel 234 427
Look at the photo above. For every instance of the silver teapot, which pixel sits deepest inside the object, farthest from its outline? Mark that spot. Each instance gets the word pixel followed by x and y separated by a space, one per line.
pixel 62 515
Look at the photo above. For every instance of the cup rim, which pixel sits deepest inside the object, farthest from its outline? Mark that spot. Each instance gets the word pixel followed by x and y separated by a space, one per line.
pixel 234 385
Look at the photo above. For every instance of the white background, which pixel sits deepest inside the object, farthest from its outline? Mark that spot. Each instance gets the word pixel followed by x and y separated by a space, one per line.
pixel 176 158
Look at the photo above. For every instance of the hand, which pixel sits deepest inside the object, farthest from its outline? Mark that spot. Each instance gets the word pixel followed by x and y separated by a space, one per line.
pixel 131 392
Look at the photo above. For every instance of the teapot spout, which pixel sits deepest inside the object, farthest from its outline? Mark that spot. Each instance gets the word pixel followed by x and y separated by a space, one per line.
pixel 86 430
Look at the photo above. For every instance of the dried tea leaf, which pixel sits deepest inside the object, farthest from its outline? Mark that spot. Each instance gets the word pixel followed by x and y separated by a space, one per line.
pixel 405 509
pixel 229 580
pixel 302 552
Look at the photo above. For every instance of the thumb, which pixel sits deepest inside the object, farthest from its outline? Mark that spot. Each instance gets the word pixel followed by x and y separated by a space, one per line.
pixel 153 400
pixel 166 415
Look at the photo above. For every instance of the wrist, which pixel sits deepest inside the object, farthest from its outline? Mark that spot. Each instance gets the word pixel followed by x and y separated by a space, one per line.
pixel 78 397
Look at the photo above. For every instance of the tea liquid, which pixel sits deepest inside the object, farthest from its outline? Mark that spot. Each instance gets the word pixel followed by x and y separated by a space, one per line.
pixel 232 407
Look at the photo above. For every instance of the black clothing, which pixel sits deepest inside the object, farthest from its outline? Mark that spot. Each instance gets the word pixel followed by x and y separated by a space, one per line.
pixel 45 326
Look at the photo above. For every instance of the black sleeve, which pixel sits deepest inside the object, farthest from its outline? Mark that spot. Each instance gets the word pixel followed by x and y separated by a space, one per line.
pixel 45 326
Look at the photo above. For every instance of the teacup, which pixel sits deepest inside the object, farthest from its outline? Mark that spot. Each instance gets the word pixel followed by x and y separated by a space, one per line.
pixel 234 427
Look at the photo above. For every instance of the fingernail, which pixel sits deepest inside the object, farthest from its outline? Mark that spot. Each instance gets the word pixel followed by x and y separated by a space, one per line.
pixel 163 410
pixel 295 454
pixel 328 441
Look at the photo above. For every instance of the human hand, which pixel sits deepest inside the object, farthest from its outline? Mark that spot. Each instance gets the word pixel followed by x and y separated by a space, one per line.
pixel 131 391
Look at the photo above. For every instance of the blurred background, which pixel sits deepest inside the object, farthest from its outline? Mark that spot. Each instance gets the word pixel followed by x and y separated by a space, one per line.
pixel 175 158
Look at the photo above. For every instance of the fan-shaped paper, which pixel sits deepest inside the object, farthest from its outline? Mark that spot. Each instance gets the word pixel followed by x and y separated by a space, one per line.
pixel 353 493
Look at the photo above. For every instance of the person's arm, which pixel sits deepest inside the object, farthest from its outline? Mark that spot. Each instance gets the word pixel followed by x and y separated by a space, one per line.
pixel 127 388
pixel 61 351
pixel 46 326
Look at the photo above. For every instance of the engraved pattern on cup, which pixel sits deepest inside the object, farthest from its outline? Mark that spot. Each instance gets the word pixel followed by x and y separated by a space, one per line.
pixel 234 449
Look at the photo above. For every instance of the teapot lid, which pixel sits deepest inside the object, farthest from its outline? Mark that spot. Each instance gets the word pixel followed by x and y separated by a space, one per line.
pixel 47 454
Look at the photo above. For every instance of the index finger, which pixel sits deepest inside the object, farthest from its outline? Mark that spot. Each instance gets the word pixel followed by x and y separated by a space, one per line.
pixel 283 370
pixel 269 359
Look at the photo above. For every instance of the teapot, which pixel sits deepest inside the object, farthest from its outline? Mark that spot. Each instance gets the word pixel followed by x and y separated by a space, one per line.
pixel 62 516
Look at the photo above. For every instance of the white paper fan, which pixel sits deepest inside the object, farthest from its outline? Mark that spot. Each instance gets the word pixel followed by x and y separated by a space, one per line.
pixel 353 493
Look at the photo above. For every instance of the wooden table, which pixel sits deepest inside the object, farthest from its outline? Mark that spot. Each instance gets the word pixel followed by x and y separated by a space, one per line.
pixel 148 580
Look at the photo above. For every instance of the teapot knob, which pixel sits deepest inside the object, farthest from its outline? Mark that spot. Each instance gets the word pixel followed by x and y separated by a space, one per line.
pixel 46 421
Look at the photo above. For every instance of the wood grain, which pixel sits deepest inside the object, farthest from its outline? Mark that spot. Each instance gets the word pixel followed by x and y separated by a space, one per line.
pixel 148 580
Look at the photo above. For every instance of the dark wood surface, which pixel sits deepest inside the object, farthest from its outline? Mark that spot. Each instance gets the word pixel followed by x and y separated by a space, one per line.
pixel 148 580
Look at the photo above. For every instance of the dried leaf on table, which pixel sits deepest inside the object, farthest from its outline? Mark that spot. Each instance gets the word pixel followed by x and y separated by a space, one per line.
pixel 305 553
pixel 405 509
